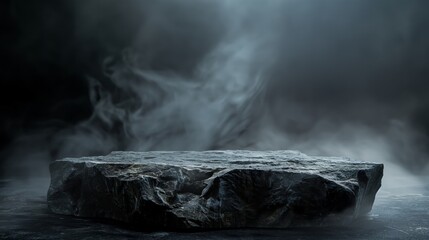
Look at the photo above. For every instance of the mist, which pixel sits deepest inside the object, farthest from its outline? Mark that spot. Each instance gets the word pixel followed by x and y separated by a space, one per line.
pixel 326 78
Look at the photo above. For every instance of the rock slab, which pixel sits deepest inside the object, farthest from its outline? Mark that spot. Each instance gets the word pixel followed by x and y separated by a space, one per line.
pixel 213 189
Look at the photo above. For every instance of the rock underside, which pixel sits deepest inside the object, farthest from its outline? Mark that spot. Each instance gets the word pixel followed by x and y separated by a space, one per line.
pixel 213 189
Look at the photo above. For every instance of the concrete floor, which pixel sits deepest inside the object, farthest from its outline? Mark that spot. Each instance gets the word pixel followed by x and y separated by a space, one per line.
pixel 398 213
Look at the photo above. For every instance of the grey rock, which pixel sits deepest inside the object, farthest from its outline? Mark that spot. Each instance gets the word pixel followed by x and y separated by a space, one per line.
pixel 213 189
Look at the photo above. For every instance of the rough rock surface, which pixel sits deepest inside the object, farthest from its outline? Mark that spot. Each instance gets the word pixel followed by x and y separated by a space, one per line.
pixel 213 189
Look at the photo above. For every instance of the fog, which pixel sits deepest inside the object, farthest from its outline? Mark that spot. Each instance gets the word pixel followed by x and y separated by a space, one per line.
pixel 341 78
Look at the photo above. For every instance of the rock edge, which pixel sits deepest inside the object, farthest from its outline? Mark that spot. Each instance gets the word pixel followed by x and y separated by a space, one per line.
pixel 213 189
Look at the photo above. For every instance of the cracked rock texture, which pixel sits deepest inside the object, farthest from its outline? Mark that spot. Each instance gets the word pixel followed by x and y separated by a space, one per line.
pixel 213 189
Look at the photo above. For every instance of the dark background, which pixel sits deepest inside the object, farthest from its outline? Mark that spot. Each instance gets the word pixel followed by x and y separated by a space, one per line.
pixel 340 64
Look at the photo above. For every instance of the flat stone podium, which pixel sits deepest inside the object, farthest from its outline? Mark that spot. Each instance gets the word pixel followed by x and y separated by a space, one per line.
pixel 213 189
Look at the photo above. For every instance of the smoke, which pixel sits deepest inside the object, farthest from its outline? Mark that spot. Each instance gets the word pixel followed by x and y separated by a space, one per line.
pixel 326 78
pixel 168 111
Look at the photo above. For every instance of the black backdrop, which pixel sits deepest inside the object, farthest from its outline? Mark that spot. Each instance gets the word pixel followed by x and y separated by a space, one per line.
pixel 49 48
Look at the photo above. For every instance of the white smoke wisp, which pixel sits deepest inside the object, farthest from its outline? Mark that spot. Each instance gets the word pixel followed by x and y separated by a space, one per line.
pixel 175 112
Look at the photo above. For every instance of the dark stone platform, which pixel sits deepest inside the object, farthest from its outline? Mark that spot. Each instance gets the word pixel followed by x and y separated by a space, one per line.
pixel 213 189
